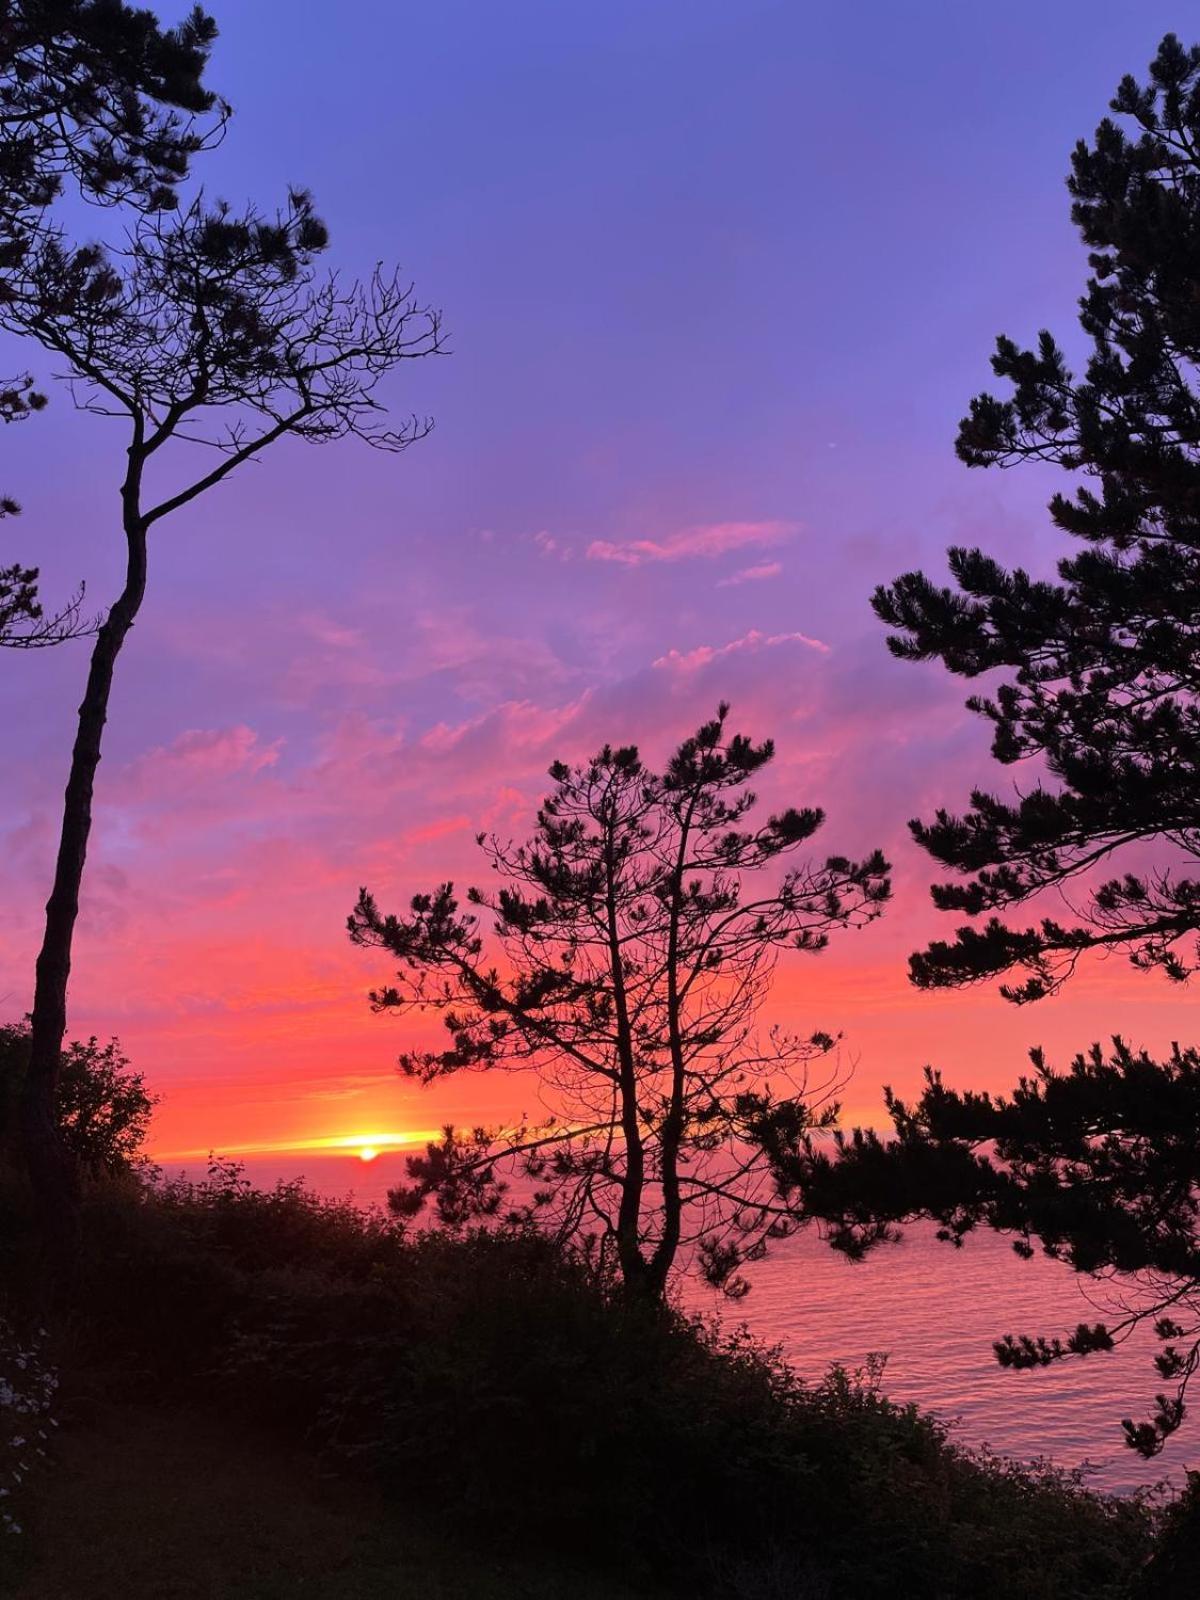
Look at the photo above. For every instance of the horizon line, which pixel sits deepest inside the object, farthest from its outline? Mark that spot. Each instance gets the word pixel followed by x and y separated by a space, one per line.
pixel 333 1144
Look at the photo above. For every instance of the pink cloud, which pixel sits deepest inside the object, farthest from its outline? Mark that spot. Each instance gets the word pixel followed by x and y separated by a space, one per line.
pixel 225 862
pixel 550 546
pixel 697 543
pixel 514 727
pixel 199 755
pixel 765 569
pixel 687 661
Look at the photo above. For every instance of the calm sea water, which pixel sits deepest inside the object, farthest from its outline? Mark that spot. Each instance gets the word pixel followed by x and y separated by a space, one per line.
pixel 933 1312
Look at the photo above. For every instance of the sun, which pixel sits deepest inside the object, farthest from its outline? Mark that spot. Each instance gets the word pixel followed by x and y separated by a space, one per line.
pixel 367 1152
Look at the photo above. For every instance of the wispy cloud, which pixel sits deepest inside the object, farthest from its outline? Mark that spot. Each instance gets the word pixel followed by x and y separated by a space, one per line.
pixel 684 661
pixel 765 569
pixel 200 755
pixel 702 543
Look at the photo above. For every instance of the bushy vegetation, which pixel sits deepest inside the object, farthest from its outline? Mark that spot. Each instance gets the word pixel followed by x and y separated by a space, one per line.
pixel 491 1380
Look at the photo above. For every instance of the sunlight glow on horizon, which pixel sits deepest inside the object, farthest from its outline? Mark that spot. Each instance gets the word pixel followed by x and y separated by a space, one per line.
pixel 366 1146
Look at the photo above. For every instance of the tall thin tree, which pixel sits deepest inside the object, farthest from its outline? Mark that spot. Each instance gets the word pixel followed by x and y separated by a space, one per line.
pixel 209 329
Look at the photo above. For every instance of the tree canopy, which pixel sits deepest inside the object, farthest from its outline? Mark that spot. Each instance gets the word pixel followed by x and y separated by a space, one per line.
pixel 99 92
pixel 1098 665
pixel 636 936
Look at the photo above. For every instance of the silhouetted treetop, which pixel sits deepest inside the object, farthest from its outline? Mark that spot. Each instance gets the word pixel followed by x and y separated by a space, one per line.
pixel 100 92
pixel 213 327
pixel 1100 665
pixel 103 1105
pixel 635 938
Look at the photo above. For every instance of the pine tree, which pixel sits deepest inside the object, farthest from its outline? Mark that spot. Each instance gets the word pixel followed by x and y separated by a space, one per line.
pixel 636 936
pixel 1101 664
pixel 1098 1166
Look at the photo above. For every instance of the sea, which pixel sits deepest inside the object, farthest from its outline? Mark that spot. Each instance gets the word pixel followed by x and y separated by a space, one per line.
pixel 931 1312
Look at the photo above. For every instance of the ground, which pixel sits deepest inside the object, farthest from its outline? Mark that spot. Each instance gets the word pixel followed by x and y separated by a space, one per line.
pixel 146 1504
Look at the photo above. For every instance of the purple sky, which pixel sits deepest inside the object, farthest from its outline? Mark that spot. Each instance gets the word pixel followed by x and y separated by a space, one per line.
pixel 719 280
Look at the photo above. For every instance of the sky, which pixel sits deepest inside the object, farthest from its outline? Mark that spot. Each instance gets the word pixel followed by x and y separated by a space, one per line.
pixel 719 281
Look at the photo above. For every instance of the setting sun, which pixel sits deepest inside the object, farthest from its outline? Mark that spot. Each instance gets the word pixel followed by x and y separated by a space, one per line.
pixel 367 1153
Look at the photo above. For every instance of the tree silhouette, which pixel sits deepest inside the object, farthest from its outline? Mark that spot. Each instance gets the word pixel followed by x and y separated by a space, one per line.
pixel 209 329
pixel 1100 1165
pixel 637 935
pixel 103 1105
pixel 1102 662
pixel 95 92
pixel 24 624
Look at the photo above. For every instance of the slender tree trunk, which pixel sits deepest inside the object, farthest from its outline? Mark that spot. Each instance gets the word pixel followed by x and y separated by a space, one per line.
pixel 629 1213
pixel 672 1130
pixel 52 1169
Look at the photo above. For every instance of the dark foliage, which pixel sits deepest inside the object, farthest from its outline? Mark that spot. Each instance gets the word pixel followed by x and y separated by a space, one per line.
pixel 1100 665
pixel 24 624
pixel 490 1378
pixel 1173 1572
pixel 637 935
pixel 97 93
pixel 1100 1166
